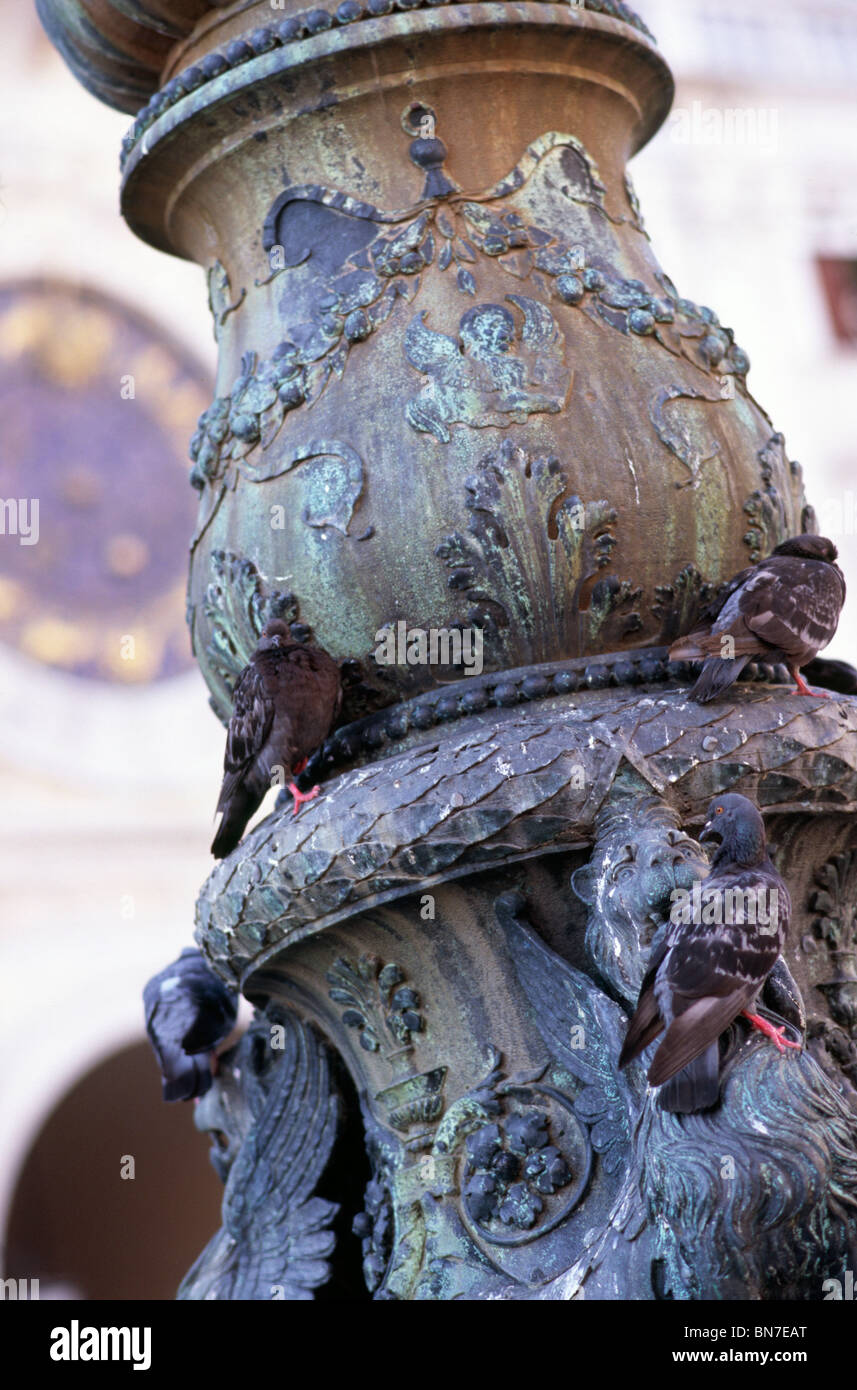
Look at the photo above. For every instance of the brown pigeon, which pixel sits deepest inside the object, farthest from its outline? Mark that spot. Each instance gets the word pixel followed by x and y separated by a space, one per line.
pixel 284 704
pixel 784 609
pixel 710 963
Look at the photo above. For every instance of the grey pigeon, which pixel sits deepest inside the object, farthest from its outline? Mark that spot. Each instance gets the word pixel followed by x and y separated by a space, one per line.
pixel 785 609
pixel 189 1012
pixel 706 971
pixel 284 704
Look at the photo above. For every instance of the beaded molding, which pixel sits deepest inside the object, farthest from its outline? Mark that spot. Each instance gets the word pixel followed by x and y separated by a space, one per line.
pixel 305 25
pixel 503 689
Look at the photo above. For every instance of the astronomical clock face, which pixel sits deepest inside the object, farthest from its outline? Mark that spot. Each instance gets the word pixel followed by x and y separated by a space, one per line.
pixel 96 410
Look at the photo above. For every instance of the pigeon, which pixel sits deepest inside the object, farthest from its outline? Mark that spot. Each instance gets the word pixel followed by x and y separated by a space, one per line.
pixel 189 1012
pixel 709 963
pixel 285 702
pixel 784 609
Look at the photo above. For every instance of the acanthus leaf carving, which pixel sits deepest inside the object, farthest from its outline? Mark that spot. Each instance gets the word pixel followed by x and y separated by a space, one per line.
pixel 678 605
pixel 530 560
pixel 377 1000
pixel 237 604
pixel 766 507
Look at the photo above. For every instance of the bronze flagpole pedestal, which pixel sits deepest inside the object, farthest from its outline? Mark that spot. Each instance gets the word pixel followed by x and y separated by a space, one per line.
pixel 470 440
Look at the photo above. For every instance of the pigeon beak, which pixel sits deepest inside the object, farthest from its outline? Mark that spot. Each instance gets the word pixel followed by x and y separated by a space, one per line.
pixel 710 834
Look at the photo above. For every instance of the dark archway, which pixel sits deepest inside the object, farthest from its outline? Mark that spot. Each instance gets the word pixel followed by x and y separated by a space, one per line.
pixel 77 1225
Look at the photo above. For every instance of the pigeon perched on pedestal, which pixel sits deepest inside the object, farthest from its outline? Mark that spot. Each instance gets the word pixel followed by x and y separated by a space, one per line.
pixel 285 702
pixel 785 609
pixel 189 1012
pixel 709 963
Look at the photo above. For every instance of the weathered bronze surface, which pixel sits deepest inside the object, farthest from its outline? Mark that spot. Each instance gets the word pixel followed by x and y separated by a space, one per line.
pixel 455 388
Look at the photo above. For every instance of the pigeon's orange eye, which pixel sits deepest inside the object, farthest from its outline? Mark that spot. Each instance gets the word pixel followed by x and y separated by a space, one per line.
pixel 718 811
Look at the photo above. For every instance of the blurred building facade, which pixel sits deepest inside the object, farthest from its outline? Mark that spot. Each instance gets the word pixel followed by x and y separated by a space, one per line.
pixel 108 775
pixel 109 756
pixel 750 197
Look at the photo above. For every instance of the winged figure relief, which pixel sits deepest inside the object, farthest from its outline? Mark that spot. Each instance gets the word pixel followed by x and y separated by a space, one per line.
pixel 272 1112
pixel 497 371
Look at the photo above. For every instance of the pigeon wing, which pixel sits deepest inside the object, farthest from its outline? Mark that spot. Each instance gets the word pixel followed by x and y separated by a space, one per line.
pixel 712 611
pixel 646 1022
pixel 308 696
pixel 722 616
pixel 709 978
pixel 694 1030
pixel 167 1020
pixel 215 1006
pixel 188 1010
pixel 249 727
pixel 794 605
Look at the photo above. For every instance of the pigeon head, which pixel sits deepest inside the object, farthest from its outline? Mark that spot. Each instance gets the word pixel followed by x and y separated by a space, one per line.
pixel 189 1013
pixel 736 827
pixel 274 635
pixel 809 547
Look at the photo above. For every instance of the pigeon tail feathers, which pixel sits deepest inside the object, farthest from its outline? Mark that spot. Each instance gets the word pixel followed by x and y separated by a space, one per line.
pixel 716 676
pixel 696 1087
pixel 240 807
pixel 644 1027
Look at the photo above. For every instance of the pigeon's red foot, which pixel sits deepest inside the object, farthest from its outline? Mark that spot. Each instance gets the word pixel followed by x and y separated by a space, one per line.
pixel 775 1034
pixel 301 797
pixel 816 694
pixel 801 688
pixel 299 767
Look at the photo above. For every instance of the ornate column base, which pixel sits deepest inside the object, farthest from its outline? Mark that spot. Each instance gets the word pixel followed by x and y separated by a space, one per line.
pixel 465 923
